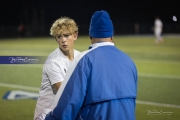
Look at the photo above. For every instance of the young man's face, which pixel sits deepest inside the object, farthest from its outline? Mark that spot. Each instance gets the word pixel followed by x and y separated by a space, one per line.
pixel 66 41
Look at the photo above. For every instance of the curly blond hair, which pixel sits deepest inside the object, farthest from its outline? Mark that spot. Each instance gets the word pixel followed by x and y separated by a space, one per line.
pixel 63 25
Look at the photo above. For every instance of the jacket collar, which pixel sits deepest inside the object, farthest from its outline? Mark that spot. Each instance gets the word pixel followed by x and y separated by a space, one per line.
pixel 101 44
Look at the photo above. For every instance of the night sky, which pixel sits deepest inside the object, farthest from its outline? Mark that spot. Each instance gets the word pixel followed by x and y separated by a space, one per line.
pixel 38 15
pixel 13 12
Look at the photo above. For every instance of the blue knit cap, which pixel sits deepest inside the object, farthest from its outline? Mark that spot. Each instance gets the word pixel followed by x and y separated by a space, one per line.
pixel 101 25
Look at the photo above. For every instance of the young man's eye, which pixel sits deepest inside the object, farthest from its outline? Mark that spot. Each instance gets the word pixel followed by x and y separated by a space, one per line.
pixel 66 35
pixel 59 36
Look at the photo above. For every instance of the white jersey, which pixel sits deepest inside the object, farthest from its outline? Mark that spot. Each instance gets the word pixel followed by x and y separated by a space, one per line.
pixel 54 71
pixel 158 26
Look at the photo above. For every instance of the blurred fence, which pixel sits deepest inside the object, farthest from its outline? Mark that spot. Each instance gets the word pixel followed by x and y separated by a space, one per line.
pixel 120 29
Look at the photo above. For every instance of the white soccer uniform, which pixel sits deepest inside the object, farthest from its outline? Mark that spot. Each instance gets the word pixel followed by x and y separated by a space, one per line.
pixel 158 29
pixel 54 71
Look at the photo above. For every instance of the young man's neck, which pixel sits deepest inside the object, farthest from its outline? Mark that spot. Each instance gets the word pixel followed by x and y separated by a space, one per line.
pixel 69 54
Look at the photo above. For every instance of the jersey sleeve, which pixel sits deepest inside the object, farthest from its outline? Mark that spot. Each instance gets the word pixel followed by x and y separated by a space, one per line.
pixel 54 72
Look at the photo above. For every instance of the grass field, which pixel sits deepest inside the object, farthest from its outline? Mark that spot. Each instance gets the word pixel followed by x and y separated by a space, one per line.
pixel 158 70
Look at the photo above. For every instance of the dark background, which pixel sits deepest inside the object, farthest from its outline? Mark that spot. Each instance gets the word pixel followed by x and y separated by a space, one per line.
pixel 38 16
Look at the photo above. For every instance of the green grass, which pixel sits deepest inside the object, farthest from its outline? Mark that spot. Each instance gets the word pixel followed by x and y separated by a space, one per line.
pixel 161 90
pixel 16 109
pixel 158 68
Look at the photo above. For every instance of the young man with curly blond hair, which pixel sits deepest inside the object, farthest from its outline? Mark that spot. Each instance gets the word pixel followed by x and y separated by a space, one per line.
pixel 65 32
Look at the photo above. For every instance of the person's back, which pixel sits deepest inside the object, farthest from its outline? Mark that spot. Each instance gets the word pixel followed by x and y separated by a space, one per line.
pixel 112 84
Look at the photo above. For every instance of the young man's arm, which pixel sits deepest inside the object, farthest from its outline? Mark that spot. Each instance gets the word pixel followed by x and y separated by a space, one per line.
pixel 70 96
pixel 57 85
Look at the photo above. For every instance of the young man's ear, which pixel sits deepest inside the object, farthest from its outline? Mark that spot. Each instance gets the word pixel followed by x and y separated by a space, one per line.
pixel 76 35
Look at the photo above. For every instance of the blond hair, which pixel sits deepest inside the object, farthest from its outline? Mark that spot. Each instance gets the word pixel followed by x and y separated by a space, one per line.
pixel 63 25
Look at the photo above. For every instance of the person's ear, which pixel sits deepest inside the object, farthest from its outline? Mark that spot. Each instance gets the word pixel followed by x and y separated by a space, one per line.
pixel 112 39
pixel 75 35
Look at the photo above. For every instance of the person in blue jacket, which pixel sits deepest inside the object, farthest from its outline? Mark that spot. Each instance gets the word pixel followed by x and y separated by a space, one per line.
pixel 101 83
